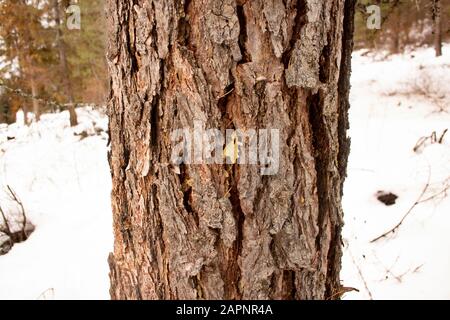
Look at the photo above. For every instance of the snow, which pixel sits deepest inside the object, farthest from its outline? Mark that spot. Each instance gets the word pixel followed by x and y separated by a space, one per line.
pixel 63 179
pixel 388 115
pixel 64 183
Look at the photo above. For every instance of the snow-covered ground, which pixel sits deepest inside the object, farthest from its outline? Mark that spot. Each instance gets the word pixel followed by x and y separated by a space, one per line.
pixel 63 179
pixel 64 183
pixel 394 102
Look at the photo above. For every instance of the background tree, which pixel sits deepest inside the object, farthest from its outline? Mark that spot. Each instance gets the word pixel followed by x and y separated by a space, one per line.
pixel 437 30
pixel 64 72
pixel 43 58
pixel 405 24
pixel 225 231
pixel 25 45
pixel 86 53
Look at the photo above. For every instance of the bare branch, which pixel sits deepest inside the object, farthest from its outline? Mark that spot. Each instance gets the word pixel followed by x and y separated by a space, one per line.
pixel 418 201
pixel 8 229
pixel 15 198
pixel 441 139
pixel 361 275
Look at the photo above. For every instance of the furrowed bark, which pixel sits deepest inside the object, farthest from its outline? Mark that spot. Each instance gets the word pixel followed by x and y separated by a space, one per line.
pixel 226 231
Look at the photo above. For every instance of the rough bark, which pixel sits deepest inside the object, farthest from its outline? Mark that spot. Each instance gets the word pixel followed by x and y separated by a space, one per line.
pixel 225 231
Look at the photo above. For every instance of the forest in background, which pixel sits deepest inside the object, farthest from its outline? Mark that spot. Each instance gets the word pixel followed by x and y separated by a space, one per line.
pixel 405 25
pixel 46 67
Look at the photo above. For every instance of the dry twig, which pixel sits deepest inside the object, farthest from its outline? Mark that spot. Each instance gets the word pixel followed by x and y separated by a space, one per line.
pixel 8 229
pixel 361 276
pixel 419 200
pixel 16 199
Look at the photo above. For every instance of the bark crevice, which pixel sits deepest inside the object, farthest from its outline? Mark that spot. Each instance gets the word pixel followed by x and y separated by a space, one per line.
pixel 300 20
pixel 246 57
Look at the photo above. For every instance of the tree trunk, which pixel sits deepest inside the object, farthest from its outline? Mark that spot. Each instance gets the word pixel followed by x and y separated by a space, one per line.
pixel 35 101
pixel 201 231
pixel 437 28
pixel 63 67
pixel 26 120
pixel 396 35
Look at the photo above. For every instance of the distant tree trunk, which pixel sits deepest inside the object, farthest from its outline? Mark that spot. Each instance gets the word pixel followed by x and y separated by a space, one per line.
pixel 63 66
pixel 224 231
pixel 26 120
pixel 437 28
pixel 35 102
pixel 396 36
pixel 29 74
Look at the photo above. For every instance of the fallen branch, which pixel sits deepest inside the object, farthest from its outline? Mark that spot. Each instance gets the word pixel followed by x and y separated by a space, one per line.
pixel 16 199
pixel 432 138
pixel 8 229
pixel 24 230
pixel 441 139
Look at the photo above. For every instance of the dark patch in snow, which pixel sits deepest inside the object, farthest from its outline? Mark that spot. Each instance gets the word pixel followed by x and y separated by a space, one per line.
pixel 388 198
pixel 83 134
